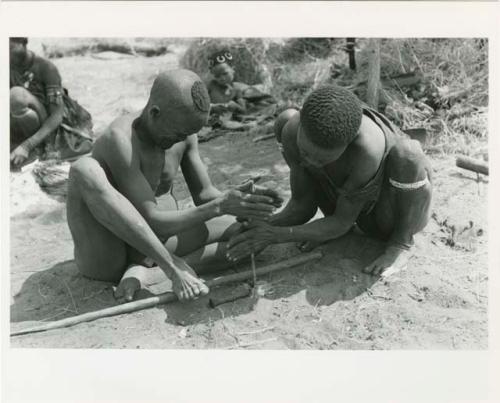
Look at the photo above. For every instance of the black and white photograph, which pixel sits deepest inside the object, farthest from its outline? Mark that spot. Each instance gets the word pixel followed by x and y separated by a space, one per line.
pixel 246 202
pixel 249 193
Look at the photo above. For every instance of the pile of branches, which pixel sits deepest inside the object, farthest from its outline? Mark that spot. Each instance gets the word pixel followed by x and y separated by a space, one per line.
pixel 437 84
pixel 451 99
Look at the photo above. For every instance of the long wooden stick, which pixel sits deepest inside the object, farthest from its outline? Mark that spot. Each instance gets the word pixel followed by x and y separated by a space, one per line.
pixel 168 296
pixel 472 164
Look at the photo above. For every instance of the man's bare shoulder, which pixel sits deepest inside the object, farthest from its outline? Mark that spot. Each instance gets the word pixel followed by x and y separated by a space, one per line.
pixel 116 140
pixel 289 138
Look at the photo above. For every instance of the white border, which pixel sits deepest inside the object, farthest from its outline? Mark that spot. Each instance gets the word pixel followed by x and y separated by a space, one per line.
pixel 272 376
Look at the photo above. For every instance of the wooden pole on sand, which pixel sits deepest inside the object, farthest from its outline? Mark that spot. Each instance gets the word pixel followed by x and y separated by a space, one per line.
pixel 168 296
pixel 472 164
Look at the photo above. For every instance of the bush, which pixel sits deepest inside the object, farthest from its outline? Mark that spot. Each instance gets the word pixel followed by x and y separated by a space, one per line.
pixel 249 58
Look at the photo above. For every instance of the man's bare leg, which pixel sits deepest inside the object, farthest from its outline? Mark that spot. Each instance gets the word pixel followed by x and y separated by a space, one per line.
pixel 27 114
pixel 210 255
pixel 403 208
pixel 88 183
pixel 203 248
pixel 99 254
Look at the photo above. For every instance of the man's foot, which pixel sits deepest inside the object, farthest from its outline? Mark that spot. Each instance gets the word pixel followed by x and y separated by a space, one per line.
pixel 186 283
pixel 393 260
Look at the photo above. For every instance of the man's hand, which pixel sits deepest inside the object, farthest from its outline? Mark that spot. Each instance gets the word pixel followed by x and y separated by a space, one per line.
pixel 249 206
pixel 19 155
pixel 250 187
pixel 258 236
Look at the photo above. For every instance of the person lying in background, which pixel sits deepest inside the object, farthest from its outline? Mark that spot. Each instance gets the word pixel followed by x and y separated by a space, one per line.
pixel 44 121
pixel 358 169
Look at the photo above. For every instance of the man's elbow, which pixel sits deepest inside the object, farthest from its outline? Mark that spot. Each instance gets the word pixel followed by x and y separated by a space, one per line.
pixel 57 116
pixel 206 195
pixel 152 217
pixel 341 228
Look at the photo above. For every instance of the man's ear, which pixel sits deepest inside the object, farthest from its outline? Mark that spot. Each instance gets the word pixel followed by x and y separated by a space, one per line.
pixel 154 111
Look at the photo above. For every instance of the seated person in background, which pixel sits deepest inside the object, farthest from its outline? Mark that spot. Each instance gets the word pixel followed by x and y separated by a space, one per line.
pixel 353 164
pixel 114 217
pixel 43 119
pixel 238 100
pixel 225 94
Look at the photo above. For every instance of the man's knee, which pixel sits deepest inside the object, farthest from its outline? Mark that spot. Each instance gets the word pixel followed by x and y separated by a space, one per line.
pixel 87 175
pixel 19 100
pixel 407 163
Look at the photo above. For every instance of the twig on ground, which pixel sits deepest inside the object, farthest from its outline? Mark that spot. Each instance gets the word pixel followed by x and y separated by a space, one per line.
pixel 70 293
pixel 256 331
pixel 252 343
pixel 229 332
pixel 75 310
pixel 40 291
pixel 263 137
pixel 94 294
pixel 371 294
pixel 62 311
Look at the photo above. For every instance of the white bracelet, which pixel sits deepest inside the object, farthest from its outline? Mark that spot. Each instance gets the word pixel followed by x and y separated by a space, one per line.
pixel 409 186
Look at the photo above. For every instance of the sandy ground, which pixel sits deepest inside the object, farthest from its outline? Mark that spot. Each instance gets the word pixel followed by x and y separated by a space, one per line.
pixel 440 302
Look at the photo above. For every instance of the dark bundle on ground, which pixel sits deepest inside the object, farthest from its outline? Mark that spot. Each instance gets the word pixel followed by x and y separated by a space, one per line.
pixel 249 56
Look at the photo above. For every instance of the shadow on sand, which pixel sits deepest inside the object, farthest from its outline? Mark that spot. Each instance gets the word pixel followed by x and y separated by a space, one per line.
pixel 60 291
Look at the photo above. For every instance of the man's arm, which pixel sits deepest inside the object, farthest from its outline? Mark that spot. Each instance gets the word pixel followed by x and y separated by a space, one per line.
pixel 195 173
pixel 346 212
pixel 302 205
pixel 347 209
pixel 130 181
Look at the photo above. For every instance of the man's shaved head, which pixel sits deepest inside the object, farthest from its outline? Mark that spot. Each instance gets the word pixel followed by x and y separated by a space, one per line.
pixel 180 90
pixel 178 106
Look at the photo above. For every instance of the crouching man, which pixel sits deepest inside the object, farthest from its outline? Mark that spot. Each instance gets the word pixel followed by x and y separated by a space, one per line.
pixel 353 164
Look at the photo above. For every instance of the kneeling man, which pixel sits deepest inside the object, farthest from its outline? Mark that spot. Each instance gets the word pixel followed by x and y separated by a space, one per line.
pixel 353 164
pixel 113 214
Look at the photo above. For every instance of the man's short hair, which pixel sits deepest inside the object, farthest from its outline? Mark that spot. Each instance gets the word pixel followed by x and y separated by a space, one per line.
pixel 18 39
pixel 331 116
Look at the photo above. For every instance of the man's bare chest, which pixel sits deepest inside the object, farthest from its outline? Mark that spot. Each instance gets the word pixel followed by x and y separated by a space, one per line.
pixel 162 168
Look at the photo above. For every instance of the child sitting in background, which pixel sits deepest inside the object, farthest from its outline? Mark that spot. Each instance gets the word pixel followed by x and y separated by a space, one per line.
pixel 225 94
pixel 234 106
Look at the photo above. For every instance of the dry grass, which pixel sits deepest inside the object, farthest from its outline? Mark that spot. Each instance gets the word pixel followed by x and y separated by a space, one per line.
pixel 450 102
pixel 249 58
